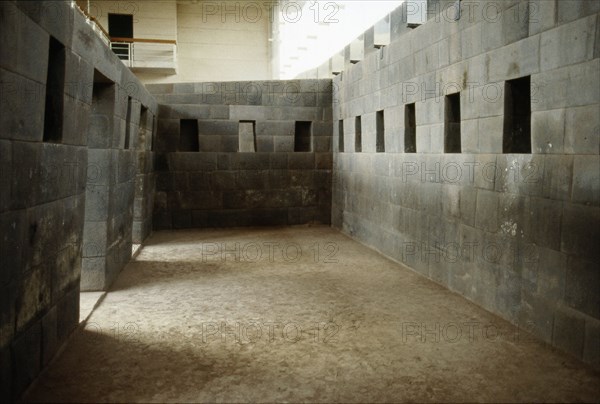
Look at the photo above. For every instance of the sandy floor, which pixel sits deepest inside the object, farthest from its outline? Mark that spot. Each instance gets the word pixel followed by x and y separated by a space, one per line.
pixel 87 302
pixel 200 316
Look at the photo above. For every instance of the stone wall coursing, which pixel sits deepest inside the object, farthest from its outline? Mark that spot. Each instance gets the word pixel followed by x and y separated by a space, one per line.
pixel 218 186
pixel 44 185
pixel 517 234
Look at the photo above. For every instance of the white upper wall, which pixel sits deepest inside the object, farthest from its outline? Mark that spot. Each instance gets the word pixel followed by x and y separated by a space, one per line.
pixel 156 19
pixel 222 44
pixel 213 43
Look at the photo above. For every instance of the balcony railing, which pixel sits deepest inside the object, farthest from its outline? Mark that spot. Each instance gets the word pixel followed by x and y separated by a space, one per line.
pixel 150 55
pixel 146 54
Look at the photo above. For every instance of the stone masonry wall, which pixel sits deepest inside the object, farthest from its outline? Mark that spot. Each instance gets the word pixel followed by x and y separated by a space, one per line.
pixel 516 233
pixel 66 184
pixel 269 184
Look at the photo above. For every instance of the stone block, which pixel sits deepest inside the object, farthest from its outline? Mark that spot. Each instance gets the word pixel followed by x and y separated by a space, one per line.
pixel 471 41
pixel 182 219
pixel 210 144
pixel 219 112
pixel 221 180
pixel 568 44
pixel 569 332
pixel 486 215
pixel 6 372
pixel 580 231
pixel 302 178
pixel 95 239
pixel 283 143
pixel 321 144
pixel 516 60
pixel 542 16
pixel 5 174
pixel 26 354
pixel 579 90
pixel 67 312
pixel 536 316
pixel 548 131
pixel 7 312
pixel 11 22
pixel 558 171
pixel 254 161
pixel 50 341
pixel 22 102
pixel 591 349
pixel 468 205
pixel 246 112
pixel 96 202
pixel 76 122
pixel 265 144
pixel 270 217
pixel 217 127
pixel 586 180
pixel 469 141
pixel 582 290
pixel 518 173
pixel 33 43
pixel 513 215
pixel 582 130
pixel 167 137
pixel 247 179
pixel 543 223
pixel 275 128
pixel 42 224
pixel 193 161
pixel 550 90
pixel 322 128
pixel 160 221
pixel 301 215
pixel 490 135
pixel 14 248
pixel 185 111
pixel 227 161
pixel 301 161
pixel 79 77
pixel 569 11
pixel 423 139
pixel 323 161
pixel 278 160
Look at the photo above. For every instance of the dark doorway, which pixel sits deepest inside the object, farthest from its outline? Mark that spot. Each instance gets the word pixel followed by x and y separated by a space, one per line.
pixel 302 138
pixel 55 88
pixel 410 129
pixel 120 25
pixel 188 136
pixel 357 135
pixel 380 132
pixel 517 116
pixel 341 135
pixel 452 142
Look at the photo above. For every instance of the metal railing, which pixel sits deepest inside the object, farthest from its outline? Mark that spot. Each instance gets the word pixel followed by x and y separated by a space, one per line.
pixel 137 53
pixel 145 53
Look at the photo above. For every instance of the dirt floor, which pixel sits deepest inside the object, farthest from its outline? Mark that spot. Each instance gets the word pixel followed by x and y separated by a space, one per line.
pixel 301 314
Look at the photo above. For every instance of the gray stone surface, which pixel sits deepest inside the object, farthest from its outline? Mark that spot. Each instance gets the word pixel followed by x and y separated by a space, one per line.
pixel 537 211
pixel 526 225
pixel 245 169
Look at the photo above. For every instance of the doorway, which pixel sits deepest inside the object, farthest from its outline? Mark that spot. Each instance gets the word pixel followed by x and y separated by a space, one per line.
pixel 120 29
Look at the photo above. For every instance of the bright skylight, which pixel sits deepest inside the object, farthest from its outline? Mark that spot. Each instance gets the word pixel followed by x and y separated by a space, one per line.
pixel 322 28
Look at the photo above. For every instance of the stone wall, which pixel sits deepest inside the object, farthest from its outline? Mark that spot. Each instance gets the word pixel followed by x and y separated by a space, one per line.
pixel 204 180
pixel 67 182
pixel 514 230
